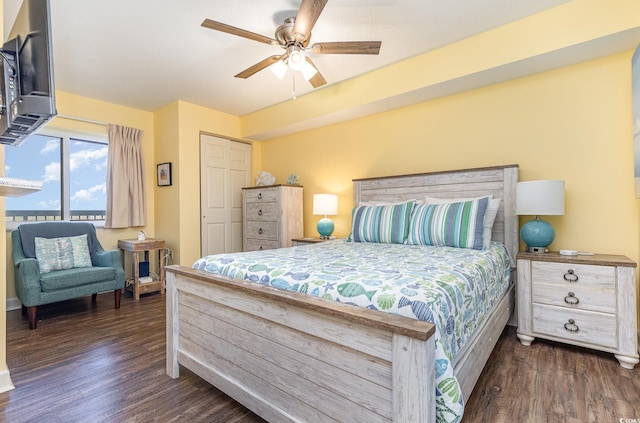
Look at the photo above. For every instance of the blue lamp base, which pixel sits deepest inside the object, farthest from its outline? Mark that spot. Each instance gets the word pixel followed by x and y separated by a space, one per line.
pixel 537 235
pixel 325 227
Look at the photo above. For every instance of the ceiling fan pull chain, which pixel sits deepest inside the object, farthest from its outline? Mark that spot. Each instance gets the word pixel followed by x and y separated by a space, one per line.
pixel 293 94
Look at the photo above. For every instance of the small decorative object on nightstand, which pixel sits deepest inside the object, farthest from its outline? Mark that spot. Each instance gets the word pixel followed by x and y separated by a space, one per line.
pixel 539 198
pixel 327 205
pixel 588 301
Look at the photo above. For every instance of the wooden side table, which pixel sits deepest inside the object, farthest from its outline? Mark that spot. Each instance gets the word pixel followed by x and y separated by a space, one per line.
pixel 304 241
pixel 588 301
pixel 136 246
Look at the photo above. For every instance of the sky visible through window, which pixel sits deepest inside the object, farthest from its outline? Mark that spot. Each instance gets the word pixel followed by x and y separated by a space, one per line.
pixel 38 158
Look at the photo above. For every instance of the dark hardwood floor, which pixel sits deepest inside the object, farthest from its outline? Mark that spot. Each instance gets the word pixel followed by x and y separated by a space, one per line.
pixel 91 363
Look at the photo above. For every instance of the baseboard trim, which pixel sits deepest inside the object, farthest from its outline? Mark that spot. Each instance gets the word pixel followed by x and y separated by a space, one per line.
pixel 13 304
pixel 5 381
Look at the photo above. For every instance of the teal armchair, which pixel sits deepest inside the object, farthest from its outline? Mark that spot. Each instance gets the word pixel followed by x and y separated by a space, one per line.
pixel 35 288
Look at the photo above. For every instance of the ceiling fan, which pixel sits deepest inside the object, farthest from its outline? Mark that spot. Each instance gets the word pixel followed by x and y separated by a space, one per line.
pixel 294 36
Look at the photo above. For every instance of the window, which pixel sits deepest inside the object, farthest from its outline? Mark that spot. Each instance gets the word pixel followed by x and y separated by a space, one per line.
pixel 73 171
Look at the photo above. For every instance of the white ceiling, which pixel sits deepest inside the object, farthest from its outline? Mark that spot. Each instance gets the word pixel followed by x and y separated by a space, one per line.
pixel 148 53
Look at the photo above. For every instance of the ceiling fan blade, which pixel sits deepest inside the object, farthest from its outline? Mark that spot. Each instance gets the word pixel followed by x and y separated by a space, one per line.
pixel 307 16
pixel 348 47
pixel 218 26
pixel 258 66
pixel 316 80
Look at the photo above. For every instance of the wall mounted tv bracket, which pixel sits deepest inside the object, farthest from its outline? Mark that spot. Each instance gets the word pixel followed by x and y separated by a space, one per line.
pixel 10 83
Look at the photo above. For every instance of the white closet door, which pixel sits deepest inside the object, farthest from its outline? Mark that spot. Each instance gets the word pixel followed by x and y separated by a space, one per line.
pixel 225 168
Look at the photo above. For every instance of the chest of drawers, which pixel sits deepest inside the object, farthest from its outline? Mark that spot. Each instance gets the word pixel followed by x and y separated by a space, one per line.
pixel 272 216
pixel 588 301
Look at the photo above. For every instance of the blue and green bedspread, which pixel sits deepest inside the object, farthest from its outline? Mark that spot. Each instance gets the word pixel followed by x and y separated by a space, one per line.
pixel 454 288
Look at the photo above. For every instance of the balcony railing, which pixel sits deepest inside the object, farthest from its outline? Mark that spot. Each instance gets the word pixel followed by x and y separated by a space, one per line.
pixel 47 215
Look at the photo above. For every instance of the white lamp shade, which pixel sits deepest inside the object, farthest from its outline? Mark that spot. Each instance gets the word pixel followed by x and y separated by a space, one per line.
pixel 279 69
pixel 325 204
pixel 540 198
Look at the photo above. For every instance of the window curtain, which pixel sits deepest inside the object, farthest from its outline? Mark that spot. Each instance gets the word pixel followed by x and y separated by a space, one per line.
pixel 126 201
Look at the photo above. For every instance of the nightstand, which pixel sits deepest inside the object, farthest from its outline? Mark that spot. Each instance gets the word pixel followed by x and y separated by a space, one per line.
pixel 589 301
pixel 304 241
pixel 136 246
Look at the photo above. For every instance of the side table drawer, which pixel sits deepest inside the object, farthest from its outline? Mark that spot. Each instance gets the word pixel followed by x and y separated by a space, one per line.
pixel 590 327
pixel 575 296
pixel 571 274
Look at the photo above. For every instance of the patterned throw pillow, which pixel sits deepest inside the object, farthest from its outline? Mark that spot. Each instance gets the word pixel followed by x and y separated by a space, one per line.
pixel 62 253
pixel 386 224
pixel 449 224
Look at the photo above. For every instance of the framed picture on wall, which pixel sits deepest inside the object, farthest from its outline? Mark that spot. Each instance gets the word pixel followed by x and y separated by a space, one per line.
pixel 164 174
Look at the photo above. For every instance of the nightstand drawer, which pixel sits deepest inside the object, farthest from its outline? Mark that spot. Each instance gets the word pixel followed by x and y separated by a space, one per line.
pixel 253 244
pixel 575 296
pixel 570 274
pixel 262 211
pixel 576 325
pixel 261 230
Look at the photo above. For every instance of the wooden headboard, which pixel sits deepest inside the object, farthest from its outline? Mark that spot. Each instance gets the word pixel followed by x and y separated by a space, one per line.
pixel 500 181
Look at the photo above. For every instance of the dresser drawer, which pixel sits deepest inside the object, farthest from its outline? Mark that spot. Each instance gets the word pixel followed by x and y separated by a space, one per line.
pixel 570 275
pixel 590 327
pixel 261 230
pixel 261 195
pixel 266 212
pixel 575 296
pixel 254 244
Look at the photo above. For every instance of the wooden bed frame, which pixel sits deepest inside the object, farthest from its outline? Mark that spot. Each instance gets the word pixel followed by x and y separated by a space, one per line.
pixel 289 357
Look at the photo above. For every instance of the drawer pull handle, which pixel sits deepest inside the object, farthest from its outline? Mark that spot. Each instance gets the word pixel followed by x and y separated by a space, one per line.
pixel 260 231
pixel 571 299
pixel 260 212
pixel 259 196
pixel 570 276
pixel 571 326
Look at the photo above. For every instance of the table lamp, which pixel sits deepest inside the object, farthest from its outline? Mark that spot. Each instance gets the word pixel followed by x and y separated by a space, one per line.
pixel 539 198
pixel 325 204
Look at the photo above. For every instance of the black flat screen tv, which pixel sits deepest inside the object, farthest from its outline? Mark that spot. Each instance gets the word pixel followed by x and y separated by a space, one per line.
pixel 27 100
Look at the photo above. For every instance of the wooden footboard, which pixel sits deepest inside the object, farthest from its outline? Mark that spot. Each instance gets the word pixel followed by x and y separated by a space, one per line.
pixel 295 358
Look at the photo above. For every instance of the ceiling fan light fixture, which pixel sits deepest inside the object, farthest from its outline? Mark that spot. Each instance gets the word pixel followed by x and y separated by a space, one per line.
pixel 279 69
pixel 296 59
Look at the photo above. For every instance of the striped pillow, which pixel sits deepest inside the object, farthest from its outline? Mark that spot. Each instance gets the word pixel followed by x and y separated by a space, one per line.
pixel 449 224
pixel 386 224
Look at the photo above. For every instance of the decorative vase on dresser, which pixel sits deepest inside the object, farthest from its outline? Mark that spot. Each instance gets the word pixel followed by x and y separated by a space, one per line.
pixel 584 300
pixel 272 216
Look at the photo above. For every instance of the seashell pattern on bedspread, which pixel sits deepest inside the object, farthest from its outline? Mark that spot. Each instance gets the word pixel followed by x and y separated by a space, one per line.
pixel 454 288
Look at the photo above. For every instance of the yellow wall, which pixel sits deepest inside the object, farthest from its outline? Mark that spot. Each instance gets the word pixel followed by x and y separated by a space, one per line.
pixel 572 124
pixel 178 211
